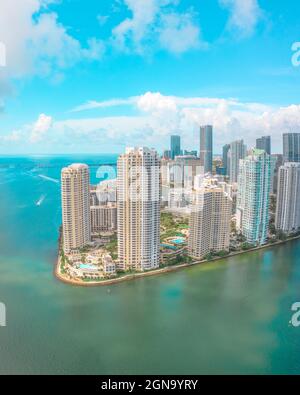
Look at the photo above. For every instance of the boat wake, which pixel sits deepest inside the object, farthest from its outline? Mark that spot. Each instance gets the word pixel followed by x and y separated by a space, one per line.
pixel 40 201
pixel 48 178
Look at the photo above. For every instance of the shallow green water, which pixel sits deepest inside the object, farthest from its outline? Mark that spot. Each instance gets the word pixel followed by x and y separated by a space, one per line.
pixel 231 316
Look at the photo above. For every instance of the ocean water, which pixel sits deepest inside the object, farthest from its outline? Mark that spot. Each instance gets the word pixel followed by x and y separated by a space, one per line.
pixel 231 316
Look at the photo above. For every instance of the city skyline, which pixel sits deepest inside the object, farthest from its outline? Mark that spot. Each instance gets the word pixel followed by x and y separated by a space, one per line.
pixel 150 190
pixel 219 204
pixel 118 74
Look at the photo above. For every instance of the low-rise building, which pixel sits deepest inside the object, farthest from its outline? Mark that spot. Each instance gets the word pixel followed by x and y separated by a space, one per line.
pixel 104 218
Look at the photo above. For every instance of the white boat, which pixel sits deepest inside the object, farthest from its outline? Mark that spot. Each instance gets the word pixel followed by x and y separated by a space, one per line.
pixel 40 201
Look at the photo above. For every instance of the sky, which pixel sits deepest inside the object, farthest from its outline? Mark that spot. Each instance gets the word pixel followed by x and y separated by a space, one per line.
pixel 95 76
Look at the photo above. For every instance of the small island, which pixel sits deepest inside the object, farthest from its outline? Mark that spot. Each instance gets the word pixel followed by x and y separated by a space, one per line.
pixel 97 264
pixel 164 214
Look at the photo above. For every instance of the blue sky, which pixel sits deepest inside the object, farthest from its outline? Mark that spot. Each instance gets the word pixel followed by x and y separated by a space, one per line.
pixel 96 75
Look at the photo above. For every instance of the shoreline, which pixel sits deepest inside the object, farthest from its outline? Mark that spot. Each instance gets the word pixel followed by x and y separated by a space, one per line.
pixel 168 269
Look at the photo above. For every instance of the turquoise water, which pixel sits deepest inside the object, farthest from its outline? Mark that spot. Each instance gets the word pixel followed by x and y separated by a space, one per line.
pixel 231 316
pixel 178 241
pixel 83 266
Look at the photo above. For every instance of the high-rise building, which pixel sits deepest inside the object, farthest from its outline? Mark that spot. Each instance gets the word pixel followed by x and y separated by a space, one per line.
pixel 277 161
pixel 253 198
pixel 138 196
pixel 236 152
pixel 226 148
pixel 75 194
pixel 264 143
pixel 291 147
pixel 175 146
pixel 206 148
pixel 288 198
pixel 210 219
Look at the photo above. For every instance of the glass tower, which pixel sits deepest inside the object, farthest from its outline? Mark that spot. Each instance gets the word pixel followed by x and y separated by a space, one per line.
pixel 264 143
pixel 253 201
pixel 175 146
pixel 206 147
pixel 291 147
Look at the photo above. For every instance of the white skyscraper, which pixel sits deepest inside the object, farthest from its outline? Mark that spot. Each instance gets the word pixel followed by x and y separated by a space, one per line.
pixel 75 194
pixel 210 219
pixel 236 152
pixel 138 193
pixel 253 196
pixel 288 198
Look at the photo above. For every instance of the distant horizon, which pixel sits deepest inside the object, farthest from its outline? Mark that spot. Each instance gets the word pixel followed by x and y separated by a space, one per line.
pixel 92 154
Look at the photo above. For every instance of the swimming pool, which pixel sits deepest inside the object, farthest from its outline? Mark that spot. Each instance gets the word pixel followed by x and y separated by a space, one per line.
pixel 88 267
pixel 178 241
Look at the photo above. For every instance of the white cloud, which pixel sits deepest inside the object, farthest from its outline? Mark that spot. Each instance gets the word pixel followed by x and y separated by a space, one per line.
pixel 157 117
pixel 40 44
pixel 40 128
pixel 244 15
pixel 154 24
pixel 92 104
pixel 13 137
pixel 102 19
pixel 155 102
pixel 179 33
pixel 132 31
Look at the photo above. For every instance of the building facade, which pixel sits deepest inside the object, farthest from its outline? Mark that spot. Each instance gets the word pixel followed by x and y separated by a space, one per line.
pixel 190 153
pixel 206 148
pixel 210 219
pixel 75 194
pixel 104 192
pixel 253 198
pixel 236 152
pixel 177 180
pixel 288 198
pixel 277 160
pixel 104 218
pixel 226 149
pixel 291 147
pixel 264 143
pixel 138 194
pixel 175 146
